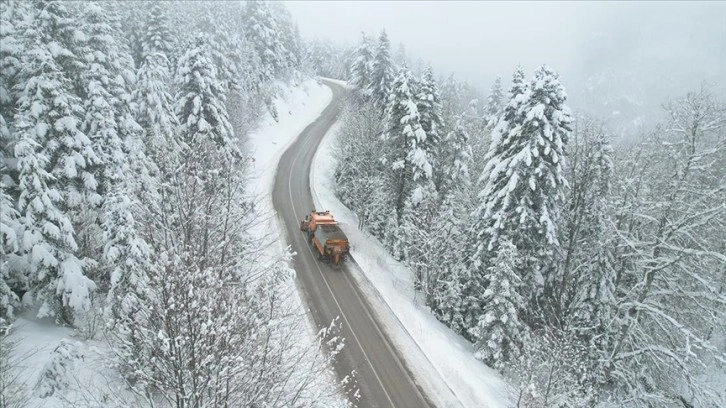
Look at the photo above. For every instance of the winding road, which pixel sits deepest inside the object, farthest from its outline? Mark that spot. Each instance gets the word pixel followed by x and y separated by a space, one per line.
pixel 382 377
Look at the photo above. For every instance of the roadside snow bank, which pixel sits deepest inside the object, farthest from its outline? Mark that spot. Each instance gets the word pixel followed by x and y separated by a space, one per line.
pixel 297 108
pixel 52 366
pixel 344 84
pixel 389 287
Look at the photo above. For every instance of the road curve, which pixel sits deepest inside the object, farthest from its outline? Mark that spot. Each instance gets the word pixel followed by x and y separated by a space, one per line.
pixel 381 373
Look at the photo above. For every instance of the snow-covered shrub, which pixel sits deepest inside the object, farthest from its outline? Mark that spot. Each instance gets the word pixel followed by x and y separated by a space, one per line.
pixel 57 372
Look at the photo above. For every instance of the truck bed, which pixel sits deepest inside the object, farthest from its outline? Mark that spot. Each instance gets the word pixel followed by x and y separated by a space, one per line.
pixel 326 233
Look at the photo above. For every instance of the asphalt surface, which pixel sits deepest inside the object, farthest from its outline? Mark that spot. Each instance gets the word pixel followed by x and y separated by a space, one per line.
pixel 381 376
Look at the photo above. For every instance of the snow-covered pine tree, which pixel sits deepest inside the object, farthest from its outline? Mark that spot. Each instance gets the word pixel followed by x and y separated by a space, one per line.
pixel 360 70
pixel 502 140
pixel 158 37
pixel 454 157
pixel 495 104
pixel 200 106
pixel 500 335
pixel 421 203
pixel 381 72
pixel 116 139
pixel 155 111
pixel 57 277
pixel 450 224
pixel 12 18
pixel 452 96
pixel 495 170
pixel 99 125
pixel 524 182
pixel 290 41
pixel 52 155
pixel 132 22
pixel 406 155
pixel 428 102
pixel 220 37
pixel 263 33
pixel 588 271
pixel 12 47
pixel 55 377
pixel 447 235
pixel 9 244
pixel 459 298
pixel 323 58
pixel 400 58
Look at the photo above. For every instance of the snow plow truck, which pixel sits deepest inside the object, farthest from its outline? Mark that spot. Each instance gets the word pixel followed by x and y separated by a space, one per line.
pixel 326 236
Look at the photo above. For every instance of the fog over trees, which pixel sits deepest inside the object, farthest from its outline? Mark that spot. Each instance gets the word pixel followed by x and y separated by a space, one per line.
pixel 618 61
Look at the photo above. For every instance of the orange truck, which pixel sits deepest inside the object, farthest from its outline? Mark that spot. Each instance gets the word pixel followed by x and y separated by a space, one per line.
pixel 327 237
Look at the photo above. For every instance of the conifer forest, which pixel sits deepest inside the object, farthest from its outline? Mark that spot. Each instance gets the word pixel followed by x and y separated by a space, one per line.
pixel 583 268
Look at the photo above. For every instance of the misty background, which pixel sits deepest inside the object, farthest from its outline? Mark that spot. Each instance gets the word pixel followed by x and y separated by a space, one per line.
pixel 619 61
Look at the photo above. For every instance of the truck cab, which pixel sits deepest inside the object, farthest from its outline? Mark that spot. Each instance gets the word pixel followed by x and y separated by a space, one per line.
pixel 315 218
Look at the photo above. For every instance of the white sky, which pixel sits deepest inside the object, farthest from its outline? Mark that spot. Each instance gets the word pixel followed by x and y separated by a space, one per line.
pixel 479 40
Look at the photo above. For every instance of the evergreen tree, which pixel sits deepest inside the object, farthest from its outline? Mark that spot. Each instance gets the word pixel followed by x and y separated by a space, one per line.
pixel 290 42
pixel 400 58
pixel 12 49
pixel 458 299
pixel 452 99
pixel 52 158
pixel 361 174
pixel 410 180
pixel 57 279
pixel 132 22
pixel 360 70
pixel 109 124
pixel 9 244
pixel 406 139
pixel 524 182
pixel 381 72
pixel 158 37
pixel 155 111
pixel 263 33
pixel 500 335
pixel 588 270
pixel 428 102
pixel 495 102
pixel 223 44
pixel 449 232
pixel 200 105
pixel 502 145
pixel 455 155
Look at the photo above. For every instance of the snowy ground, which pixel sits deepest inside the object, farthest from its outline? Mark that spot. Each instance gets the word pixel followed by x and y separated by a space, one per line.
pixel 84 380
pixel 37 339
pixel 389 287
